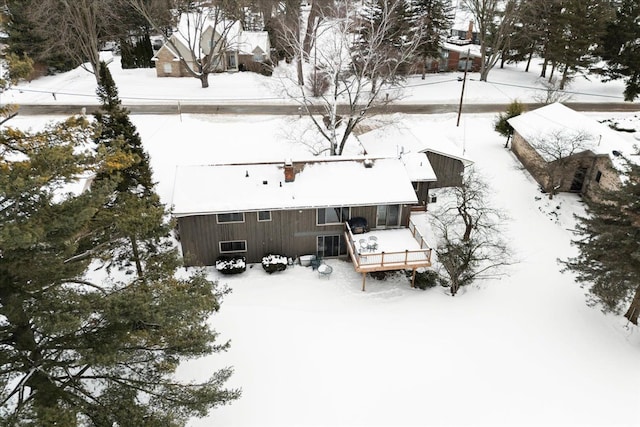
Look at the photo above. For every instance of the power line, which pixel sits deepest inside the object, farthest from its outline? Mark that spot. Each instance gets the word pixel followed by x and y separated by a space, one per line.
pixel 54 93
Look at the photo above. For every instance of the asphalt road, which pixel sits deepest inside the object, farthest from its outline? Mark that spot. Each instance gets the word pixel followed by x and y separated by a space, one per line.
pixel 279 109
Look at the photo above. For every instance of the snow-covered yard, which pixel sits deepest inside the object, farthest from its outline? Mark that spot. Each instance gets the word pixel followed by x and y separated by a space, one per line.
pixel 521 350
pixel 141 86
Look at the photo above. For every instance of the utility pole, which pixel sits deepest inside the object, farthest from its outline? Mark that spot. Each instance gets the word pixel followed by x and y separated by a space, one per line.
pixel 464 81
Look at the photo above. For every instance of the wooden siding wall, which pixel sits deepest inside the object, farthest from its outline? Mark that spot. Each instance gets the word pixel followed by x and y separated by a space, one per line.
pixel 422 192
pixel 448 170
pixel 291 233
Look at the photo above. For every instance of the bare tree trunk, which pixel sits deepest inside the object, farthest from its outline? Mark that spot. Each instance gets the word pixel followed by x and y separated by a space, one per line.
pixel 314 14
pixel 563 81
pixel 299 70
pixel 136 255
pixel 204 80
pixel 634 308
pixel 526 70
pixel 553 69
pixel 543 72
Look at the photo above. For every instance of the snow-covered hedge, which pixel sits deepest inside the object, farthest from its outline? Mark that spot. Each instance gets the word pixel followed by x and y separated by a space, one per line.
pixel 272 263
pixel 231 265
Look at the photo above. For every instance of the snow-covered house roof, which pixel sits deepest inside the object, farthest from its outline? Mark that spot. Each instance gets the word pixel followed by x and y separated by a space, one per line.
pixel 394 141
pixel 557 118
pixel 245 187
pixel 473 49
pixel 252 42
pixel 192 27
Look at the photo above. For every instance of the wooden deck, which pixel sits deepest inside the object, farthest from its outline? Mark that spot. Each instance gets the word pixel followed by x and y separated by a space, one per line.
pixel 367 261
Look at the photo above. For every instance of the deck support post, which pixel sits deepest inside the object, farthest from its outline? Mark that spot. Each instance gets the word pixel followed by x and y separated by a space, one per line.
pixel 413 278
pixel 364 278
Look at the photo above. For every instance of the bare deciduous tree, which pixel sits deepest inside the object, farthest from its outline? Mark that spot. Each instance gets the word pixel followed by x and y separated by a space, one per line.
pixel 496 20
pixel 205 34
pixel 468 232
pixel 77 27
pixel 551 92
pixel 557 149
pixel 358 70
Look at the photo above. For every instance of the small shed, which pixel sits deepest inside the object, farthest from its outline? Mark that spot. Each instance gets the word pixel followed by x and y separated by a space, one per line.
pixel 567 151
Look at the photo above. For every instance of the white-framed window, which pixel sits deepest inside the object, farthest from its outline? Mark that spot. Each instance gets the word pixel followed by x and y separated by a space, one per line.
pixel 336 215
pixel 167 68
pixel 230 217
pixel 232 63
pixel 233 246
pixel 264 216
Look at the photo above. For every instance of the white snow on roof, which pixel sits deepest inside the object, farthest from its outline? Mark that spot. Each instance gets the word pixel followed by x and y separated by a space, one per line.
pixel 473 49
pixel 556 117
pixel 261 186
pixel 250 40
pixel 396 141
pixel 418 167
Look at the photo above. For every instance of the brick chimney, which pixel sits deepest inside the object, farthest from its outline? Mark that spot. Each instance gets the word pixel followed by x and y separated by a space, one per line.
pixel 470 31
pixel 289 173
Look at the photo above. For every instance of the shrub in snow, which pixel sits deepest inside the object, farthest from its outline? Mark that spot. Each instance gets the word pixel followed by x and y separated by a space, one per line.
pixel 272 263
pixel 425 279
pixel 231 264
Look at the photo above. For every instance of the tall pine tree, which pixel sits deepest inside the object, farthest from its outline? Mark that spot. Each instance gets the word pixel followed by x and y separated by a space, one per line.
pixel 609 259
pixel 139 213
pixel 433 20
pixel 621 49
pixel 79 348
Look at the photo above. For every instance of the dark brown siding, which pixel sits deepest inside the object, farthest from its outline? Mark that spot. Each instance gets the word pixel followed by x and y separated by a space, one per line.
pixel 291 233
pixel 448 170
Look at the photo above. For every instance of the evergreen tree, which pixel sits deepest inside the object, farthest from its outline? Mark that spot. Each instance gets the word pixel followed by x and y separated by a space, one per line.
pixel 609 244
pixel 81 352
pixel 24 40
pixel 142 225
pixel 501 124
pixel 621 49
pixel 385 27
pixel 433 18
pixel 580 26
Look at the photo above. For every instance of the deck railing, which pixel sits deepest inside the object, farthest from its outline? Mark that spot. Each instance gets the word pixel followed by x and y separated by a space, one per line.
pixel 417 235
pixel 380 261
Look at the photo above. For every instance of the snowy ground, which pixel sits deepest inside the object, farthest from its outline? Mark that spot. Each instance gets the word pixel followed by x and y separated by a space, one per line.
pixel 141 86
pixel 307 350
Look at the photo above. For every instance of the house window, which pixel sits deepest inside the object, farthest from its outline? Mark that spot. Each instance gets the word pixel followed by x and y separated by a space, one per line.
pixel 388 216
pixel 258 57
pixel 230 217
pixel 231 61
pixel 598 176
pixel 331 246
pixel 335 215
pixel 264 216
pixel 167 68
pixel 233 246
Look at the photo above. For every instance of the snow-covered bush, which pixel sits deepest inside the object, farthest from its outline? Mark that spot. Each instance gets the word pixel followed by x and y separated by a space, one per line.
pixel 231 264
pixel 272 263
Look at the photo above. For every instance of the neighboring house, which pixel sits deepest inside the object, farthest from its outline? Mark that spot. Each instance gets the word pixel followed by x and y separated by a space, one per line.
pixel 567 150
pixel 436 161
pixel 462 31
pixel 289 208
pixel 454 57
pixel 239 50
pixel 460 56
